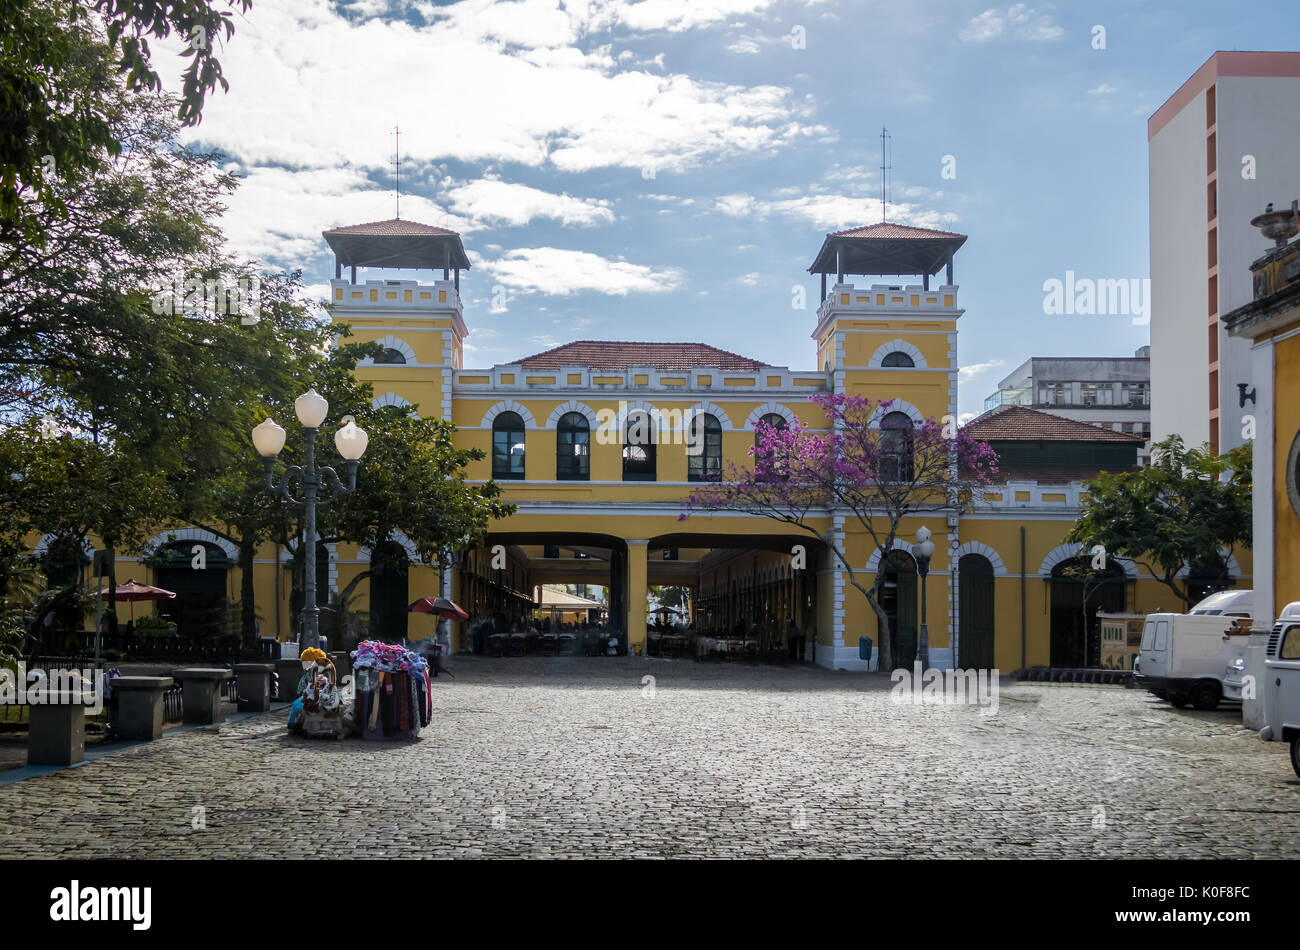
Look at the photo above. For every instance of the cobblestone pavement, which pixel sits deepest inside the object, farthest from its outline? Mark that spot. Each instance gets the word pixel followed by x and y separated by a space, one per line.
pixel 583 757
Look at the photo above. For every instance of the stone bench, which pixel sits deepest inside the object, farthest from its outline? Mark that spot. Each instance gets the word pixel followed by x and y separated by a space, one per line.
pixel 201 693
pixel 139 706
pixel 56 730
pixel 254 686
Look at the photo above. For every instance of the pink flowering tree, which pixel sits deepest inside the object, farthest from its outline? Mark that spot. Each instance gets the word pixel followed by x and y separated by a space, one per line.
pixel 871 461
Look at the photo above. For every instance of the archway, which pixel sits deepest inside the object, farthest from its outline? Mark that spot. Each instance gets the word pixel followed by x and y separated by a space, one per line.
pixel 898 600
pixel 1077 593
pixel 199 607
pixel 389 591
pixel 975 613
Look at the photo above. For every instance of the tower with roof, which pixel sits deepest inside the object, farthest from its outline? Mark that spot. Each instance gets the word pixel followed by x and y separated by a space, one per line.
pixel 420 325
pixel 890 339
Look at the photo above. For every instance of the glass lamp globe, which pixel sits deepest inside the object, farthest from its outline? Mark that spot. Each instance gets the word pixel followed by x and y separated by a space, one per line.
pixel 351 441
pixel 268 439
pixel 311 407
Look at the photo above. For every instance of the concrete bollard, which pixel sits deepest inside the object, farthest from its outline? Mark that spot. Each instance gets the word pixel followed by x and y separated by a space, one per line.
pixel 201 693
pixel 289 672
pixel 139 701
pixel 56 733
pixel 254 686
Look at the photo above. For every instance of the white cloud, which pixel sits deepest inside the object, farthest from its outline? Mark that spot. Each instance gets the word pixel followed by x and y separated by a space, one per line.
pixel 832 212
pixel 1017 21
pixel 967 373
pixel 489 201
pixel 559 272
pixel 476 82
pixel 1105 89
pixel 745 46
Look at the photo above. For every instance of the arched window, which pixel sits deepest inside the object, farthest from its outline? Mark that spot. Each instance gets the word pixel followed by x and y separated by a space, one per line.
pixel 573 447
pixel 508 446
pixel 639 448
pixel 896 447
pixel 390 355
pixel 773 419
pixel 704 449
pixel 897 358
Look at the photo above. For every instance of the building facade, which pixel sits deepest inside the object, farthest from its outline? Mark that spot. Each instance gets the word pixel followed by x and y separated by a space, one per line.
pixel 1111 392
pixel 598 505
pixel 1270 324
pixel 1220 148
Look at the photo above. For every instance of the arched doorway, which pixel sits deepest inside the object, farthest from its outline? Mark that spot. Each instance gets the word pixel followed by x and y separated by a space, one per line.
pixel 1077 593
pixel 199 607
pixel 898 600
pixel 389 592
pixel 1206 577
pixel 975 613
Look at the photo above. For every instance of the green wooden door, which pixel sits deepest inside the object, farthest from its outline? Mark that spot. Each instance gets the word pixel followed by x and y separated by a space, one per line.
pixel 975 617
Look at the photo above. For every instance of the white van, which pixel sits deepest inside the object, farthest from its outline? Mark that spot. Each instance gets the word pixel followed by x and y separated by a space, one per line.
pixel 1185 658
pixel 1281 687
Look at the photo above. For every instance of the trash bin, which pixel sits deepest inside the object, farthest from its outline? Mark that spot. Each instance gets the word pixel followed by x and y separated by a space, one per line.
pixel 864 648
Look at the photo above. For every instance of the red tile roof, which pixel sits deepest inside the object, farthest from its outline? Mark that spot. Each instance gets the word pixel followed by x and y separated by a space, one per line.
pixel 393 227
pixel 609 354
pixel 885 230
pixel 1022 424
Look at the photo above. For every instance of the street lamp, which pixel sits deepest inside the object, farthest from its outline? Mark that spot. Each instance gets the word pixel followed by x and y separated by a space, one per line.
pixel 924 550
pixel 351 441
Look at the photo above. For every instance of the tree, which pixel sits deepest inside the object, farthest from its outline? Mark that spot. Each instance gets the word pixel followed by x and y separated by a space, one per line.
pixel 59 66
pixel 1177 513
pixel 872 464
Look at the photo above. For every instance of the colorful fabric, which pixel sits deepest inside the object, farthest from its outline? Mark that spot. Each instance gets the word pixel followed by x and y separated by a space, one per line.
pixel 372 654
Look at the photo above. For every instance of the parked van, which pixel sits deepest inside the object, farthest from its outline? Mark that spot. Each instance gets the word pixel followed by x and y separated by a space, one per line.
pixel 1281 687
pixel 1185 658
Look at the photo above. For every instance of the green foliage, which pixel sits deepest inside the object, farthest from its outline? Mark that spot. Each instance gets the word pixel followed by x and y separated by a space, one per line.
pixel 1178 511
pixel 59 66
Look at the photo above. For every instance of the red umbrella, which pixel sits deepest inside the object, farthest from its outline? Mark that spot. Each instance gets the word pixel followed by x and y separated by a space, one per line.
pixel 440 606
pixel 131 592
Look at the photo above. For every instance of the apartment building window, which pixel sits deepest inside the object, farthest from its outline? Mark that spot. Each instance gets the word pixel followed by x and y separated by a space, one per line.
pixel 1098 394
pixel 573 448
pixel 508 446
pixel 1052 394
pixel 1135 394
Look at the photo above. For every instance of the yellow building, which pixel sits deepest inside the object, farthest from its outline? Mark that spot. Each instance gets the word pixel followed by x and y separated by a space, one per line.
pixel 600 508
pixel 1272 322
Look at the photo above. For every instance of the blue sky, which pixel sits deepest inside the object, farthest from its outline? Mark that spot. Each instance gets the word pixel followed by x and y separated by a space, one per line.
pixel 666 169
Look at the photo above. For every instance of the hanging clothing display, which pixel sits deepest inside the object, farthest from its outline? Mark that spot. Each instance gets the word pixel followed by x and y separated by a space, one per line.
pixel 393 691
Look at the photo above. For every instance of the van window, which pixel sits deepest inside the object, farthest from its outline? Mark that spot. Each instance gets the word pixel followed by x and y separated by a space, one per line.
pixel 1290 646
pixel 1148 634
pixel 1162 635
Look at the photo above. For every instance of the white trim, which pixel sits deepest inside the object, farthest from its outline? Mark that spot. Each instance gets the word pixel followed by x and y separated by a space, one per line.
pixel 563 409
pixel 148 549
pixel 897 346
pixel 389 399
pixel 393 343
pixel 412 555
pixel 700 408
pixel 896 405
pixel 42 546
pixel 873 562
pixel 508 405
pixel 978 547
pixel 783 411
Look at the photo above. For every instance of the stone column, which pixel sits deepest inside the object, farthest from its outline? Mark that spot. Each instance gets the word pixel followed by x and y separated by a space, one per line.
pixel 254 686
pixel 201 693
pixel 637 579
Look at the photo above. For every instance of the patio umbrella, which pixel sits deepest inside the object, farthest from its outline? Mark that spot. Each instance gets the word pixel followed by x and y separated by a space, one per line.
pixel 440 606
pixel 132 591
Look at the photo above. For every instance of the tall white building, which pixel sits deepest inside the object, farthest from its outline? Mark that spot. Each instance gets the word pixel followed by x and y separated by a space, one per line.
pixel 1224 146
